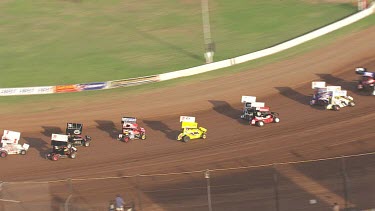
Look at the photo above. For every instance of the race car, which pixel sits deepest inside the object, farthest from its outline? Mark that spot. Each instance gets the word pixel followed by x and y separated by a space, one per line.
pixel 61 148
pixel 75 138
pixel 262 115
pixel 131 130
pixel 367 80
pixel 321 94
pixel 331 97
pixel 339 100
pixel 10 146
pixel 248 109
pixel 190 129
pixel 257 113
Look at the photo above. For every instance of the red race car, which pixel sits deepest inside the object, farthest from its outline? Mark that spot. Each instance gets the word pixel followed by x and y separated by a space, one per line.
pixel 263 115
pixel 367 80
pixel 131 130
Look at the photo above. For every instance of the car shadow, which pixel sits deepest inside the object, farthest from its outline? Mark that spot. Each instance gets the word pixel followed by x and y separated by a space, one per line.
pixel 162 127
pixel 39 144
pixel 294 95
pixel 108 127
pixel 224 108
pixel 336 81
pixel 48 130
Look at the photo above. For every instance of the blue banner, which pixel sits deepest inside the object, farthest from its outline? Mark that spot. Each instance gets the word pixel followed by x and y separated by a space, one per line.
pixel 93 86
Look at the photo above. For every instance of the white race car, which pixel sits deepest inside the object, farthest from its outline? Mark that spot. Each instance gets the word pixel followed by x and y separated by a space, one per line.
pixel 10 145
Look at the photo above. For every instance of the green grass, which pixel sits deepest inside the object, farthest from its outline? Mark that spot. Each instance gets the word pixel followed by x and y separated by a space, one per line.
pixel 51 102
pixel 47 42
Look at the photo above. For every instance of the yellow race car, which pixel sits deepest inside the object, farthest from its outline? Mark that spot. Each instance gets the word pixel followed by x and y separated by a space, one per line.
pixel 190 130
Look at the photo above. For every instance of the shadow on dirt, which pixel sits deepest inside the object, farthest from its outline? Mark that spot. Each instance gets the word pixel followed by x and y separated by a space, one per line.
pixel 224 108
pixel 160 126
pixel 38 144
pixel 48 130
pixel 336 81
pixel 294 95
pixel 108 127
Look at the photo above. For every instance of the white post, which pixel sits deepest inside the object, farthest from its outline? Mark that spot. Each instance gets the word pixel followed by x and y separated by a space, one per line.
pixel 209 46
pixel 207 176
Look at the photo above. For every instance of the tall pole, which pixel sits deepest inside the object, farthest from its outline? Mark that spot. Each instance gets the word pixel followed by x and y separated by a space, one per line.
pixel 209 45
pixel 276 187
pixel 207 176
pixel 67 201
pixel 138 192
pixel 345 181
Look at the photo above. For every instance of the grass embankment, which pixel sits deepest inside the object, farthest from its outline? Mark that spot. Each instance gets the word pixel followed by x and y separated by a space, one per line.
pixel 66 42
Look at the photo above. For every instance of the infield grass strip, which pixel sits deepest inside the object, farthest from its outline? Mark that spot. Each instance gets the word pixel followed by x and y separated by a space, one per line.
pixel 17 104
pixel 57 42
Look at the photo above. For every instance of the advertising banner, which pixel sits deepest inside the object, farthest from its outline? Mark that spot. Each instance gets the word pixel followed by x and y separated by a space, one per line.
pixel 67 88
pixel 133 81
pixel 93 86
pixel 27 91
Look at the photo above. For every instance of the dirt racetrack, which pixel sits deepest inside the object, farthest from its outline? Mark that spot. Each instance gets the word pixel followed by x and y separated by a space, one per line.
pixel 304 133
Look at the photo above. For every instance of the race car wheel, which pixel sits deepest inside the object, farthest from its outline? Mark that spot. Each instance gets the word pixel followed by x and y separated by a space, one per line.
pixel 351 104
pixel 204 136
pixel 73 155
pixel 55 157
pixel 23 152
pixel 186 139
pixel 87 144
pixel 336 108
pixel 3 154
pixel 276 120
pixel 260 123
pixel 143 136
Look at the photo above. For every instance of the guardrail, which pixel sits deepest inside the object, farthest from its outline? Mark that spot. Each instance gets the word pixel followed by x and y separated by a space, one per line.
pixel 190 71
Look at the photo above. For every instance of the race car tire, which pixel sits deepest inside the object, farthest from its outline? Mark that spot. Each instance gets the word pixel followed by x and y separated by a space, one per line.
pixel 3 154
pixel 336 108
pixel 186 139
pixel 143 136
pixel 351 104
pixel 204 136
pixel 276 120
pixel 23 152
pixel 55 157
pixel 260 123
pixel 87 144
pixel 73 155
pixel 321 103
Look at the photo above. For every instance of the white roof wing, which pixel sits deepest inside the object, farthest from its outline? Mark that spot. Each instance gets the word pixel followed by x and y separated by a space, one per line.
pixel 340 93
pixel 257 104
pixel 248 99
pixel 10 137
pixel 318 84
pixel 129 119
pixel 333 88
pixel 59 137
pixel 187 119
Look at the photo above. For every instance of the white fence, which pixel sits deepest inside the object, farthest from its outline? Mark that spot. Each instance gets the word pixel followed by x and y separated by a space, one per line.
pixel 194 70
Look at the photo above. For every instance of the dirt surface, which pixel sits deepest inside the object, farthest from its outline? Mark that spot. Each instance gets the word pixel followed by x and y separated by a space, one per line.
pixel 304 133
